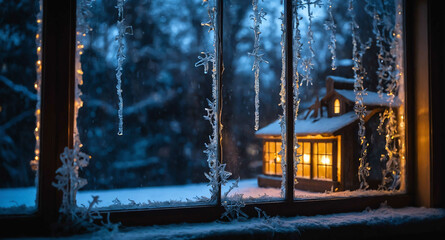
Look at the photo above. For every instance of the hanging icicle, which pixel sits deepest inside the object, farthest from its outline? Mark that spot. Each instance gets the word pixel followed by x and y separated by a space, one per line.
pixel 122 31
pixel 358 50
pixel 307 63
pixel 257 17
pixel 330 26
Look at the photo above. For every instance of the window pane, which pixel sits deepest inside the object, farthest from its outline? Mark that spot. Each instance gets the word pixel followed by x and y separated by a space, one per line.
pixel 159 159
pixel 20 67
pixel 241 142
pixel 350 77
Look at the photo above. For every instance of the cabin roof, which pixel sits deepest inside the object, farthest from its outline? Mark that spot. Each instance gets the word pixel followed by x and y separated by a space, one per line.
pixel 310 126
pixel 370 99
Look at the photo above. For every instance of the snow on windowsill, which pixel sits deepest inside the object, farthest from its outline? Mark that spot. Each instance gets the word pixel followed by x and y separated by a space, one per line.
pixel 373 223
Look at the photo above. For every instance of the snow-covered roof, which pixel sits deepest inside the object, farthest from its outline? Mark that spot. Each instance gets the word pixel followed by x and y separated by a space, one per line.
pixel 371 99
pixel 341 79
pixel 310 126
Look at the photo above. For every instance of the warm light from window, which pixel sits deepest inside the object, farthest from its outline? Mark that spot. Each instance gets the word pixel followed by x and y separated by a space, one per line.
pixel 306 158
pixel 325 160
pixel 337 106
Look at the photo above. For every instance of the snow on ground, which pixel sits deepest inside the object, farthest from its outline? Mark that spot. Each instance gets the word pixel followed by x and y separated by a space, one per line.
pixel 170 195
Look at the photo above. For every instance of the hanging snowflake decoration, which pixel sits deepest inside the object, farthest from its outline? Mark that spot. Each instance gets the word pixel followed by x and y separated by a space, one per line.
pixel 217 175
pixel 122 31
pixel 257 17
pixel 358 50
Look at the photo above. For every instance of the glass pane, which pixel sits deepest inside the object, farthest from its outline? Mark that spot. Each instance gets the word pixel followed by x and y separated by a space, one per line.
pixel 159 159
pixel 349 64
pixel 241 142
pixel 20 68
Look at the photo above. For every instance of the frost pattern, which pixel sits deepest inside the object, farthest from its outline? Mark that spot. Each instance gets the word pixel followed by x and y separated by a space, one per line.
pixel 218 175
pixel 83 28
pixel 282 118
pixel 73 217
pixel 257 17
pixel 122 31
pixel 296 84
pixel 307 63
pixel 389 81
pixel 330 26
pixel 358 50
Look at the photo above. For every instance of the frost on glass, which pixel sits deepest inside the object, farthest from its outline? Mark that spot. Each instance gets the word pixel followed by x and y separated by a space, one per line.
pixel 350 121
pixel 159 161
pixel 20 84
pixel 250 37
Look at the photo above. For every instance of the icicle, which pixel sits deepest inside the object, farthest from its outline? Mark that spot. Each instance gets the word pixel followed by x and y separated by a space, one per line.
pixel 282 118
pixel 257 17
pixel 122 30
pixel 360 92
pixel 330 26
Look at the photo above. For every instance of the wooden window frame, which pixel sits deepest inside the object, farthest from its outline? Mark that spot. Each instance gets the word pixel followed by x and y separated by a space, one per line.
pixel 425 187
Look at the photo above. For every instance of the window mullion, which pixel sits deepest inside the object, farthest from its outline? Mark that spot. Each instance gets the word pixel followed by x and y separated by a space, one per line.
pixel 219 70
pixel 57 104
pixel 289 107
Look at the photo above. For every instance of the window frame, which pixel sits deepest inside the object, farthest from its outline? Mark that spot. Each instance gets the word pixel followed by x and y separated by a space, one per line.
pixel 57 114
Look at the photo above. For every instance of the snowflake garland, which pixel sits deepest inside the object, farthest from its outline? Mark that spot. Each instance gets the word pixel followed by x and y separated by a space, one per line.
pixel 358 50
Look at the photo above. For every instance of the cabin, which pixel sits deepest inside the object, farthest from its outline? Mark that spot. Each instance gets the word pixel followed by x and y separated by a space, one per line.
pixel 329 147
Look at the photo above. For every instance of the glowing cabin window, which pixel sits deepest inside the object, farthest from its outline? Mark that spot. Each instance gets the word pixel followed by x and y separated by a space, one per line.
pixel 304 166
pixel 323 160
pixel 272 158
pixel 336 106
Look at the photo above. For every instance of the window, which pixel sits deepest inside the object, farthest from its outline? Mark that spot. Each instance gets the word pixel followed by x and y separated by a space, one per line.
pixel 20 78
pixel 320 159
pixel 272 158
pixel 336 106
pixel 304 166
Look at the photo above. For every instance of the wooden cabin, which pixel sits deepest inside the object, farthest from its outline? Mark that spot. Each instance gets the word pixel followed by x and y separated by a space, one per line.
pixel 329 147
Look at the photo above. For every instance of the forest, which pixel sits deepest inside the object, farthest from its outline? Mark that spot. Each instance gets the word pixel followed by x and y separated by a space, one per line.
pixel 164 94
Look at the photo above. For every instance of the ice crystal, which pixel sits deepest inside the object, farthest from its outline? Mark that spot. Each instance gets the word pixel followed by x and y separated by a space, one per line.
pixel 282 118
pixel 389 74
pixel 68 180
pixel 307 63
pixel 257 17
pixel 330 26
pixel 123 29
pixel 358 50
pixel 296 84
pixel 83 28
pixel 217 175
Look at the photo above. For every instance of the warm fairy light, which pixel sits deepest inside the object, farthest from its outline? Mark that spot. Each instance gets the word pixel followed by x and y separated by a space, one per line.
pixel 37 86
